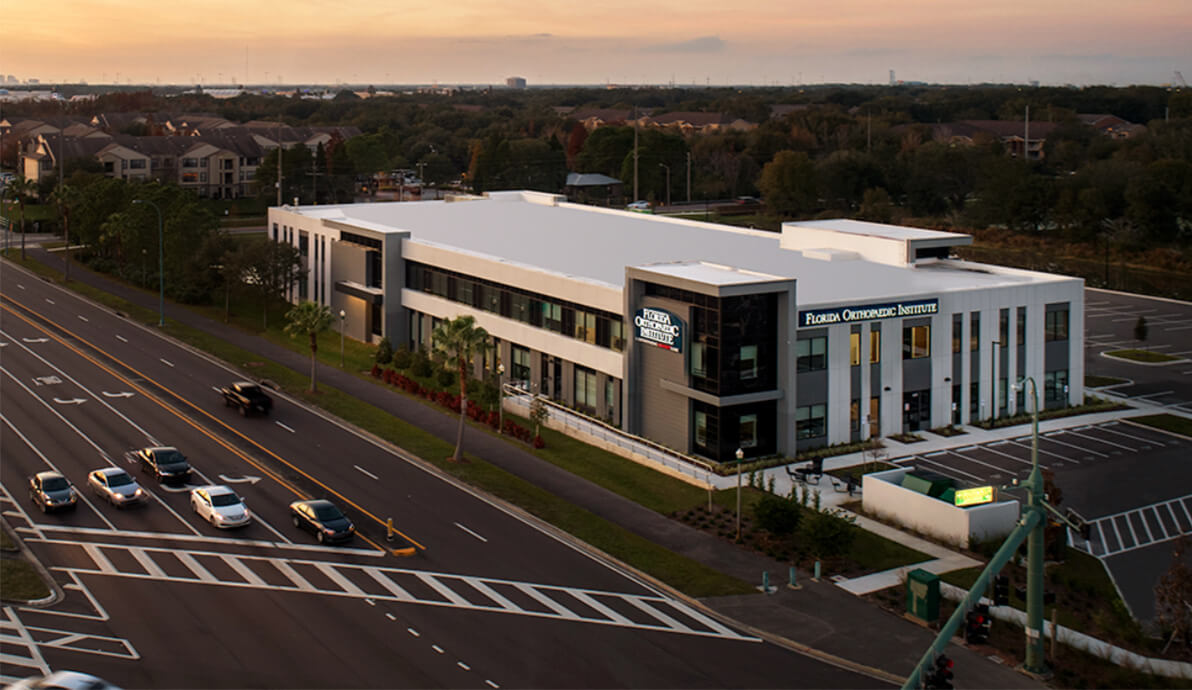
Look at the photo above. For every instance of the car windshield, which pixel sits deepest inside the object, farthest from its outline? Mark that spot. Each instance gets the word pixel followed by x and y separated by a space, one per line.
pixel 327 512
pixel 170 457
pixel 224 499
pixel 119 479
pixel 250 390
pixel 54 484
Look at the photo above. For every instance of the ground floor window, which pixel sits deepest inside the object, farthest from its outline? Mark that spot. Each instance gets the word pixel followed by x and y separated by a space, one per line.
pixel 585 390
pixel 811 422
pixel 747 431
pixel 520 371
pixel 1055 386
pixel 1002 384
pixel 974 402
pixel 875 417
pixel 854 415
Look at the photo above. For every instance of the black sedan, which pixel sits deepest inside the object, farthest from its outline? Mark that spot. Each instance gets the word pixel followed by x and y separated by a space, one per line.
pixel 164 462
pixel 52 491
pixel 322 518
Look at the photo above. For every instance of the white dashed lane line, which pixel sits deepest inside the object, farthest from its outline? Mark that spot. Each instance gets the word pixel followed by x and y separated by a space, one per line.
pixel 284 427
pixel 121 338
pixel 366 472
pixel 166 362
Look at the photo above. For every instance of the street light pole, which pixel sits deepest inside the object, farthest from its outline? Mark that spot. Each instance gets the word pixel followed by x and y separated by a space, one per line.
pixel 993 406
pixel 664 165
pixel 161 265
pixel 500 398
pixel 740 456
pixel 343 315
pixel 1034 546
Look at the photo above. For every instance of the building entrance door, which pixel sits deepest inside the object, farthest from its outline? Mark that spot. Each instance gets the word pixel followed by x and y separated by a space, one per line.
pixel 916 410
pixel 552 377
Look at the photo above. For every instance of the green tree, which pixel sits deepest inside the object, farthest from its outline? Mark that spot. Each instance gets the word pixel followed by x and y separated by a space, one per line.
pixel 21 188
pixel 311 319
pixel 788 183
pixel 604 151
pixel 458 340
pixel 66 196
pixel 777 515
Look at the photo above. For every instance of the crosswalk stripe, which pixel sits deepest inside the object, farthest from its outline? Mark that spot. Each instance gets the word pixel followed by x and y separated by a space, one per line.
pixel 546 601
pixel 101 561
pixel 491 593
pixel 342 582
pixel 601 608
pixel 300 583
pixel 195 567
pixel 146 562
pixel 443 589
pixel 395 589
pixel 667 620
pixel 243 571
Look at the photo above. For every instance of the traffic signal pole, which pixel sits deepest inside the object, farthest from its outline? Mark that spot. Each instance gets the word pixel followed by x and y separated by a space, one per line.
pixel 1026 524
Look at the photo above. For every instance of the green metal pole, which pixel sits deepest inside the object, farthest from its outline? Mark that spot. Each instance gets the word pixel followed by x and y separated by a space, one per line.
pixel 1034 577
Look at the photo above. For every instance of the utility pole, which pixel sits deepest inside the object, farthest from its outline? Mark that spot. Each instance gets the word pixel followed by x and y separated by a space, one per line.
pixel 1026 144
pixel 315 175
pixel 62 200
pixel 279 148
pixel 635 196
pixel 421 168
pixel 689 177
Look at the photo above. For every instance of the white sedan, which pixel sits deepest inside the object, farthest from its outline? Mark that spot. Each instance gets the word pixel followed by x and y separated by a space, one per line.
pixel 220 506
pixel 116 486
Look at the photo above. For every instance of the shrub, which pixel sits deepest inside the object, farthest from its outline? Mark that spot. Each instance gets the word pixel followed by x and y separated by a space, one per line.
pixel 403 358
pixel 384 351
pixel 421 366
pixel 445 378
pixel 538 442
pixel 828 534
pixel 779 516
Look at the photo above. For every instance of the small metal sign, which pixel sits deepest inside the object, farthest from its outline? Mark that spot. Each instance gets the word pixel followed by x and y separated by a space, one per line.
pixel 973 497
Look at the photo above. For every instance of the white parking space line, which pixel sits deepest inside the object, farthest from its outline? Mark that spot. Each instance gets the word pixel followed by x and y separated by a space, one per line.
pixel 1117 533
pixel 1101 440
pixel 1110 428
pixel 1146 524
pixel 948 468
pixel 101 561
pixel 1073 445
pixel 1177 328
pixel 991 449
pixel 1043 451
pixel 999 470
pixel 257 519
pixel 1129 524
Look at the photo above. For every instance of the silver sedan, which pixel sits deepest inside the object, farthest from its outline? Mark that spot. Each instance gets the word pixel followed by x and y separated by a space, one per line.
pixel 220 506
pixel 116 486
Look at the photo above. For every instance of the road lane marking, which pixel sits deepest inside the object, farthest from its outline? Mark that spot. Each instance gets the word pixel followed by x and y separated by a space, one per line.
pixel 491 684
pixel 413 632
pixel 195 567
pixel 340 581
pixel 121 394
pixel 437 648
pixel 443 589
pixel 121 338
pixel 46 460
pixel 391 617
pixel 471 532
pixel 243 571
pixel 150 566
pixel 366 472
pixel 283 426
pixel 20 286
pixel 395 589
pixel 49 300
pixel 165 362
pixel 463 666
pixel 101 561
pixel 301 583
pixel 83 318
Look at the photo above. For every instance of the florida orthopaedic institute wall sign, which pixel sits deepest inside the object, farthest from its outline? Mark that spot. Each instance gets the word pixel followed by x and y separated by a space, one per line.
pixel 868 312
pixel 658 327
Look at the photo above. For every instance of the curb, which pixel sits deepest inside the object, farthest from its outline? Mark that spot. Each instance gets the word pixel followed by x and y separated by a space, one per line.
pixel 1128 360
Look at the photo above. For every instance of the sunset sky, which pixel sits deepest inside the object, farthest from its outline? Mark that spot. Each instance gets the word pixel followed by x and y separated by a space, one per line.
pixel 689 41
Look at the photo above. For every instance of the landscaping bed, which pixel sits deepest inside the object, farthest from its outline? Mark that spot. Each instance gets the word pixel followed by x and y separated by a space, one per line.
pixel 1145 356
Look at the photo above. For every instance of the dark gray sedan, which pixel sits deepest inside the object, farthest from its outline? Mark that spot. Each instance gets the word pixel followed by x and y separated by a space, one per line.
pixel 52 491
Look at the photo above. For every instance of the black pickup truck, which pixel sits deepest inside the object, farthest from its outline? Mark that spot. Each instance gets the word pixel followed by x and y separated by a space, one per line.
pixel 246 396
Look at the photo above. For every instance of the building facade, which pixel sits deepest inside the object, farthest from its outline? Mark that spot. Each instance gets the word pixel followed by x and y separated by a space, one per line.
pixel 702 337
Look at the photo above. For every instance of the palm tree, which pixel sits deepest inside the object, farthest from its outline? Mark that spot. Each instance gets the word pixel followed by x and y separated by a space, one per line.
pixel 21 188
pixel 309 318
pixel 458 340
pixel 66 196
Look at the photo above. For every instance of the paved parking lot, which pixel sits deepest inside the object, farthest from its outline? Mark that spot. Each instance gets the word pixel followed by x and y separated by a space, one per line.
pixel 1109 320
pixel 1131 482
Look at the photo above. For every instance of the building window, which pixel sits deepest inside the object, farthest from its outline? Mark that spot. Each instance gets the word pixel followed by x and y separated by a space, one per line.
pixel 190 162
pixel 812 353
pixel 875 346
pixel 699 359
pixel 1056 325
pixel 465 292
pixel 974 401
pixel 854 415
pixel 701 429
pixel 585 326
pixel 585 390
pixel 610 398
pixel 1020 336
pixel 552 317
pixel 1002 385
pixel 854 349
pixel 975 332
pixel 916 342
pixel 137 164
pixel 811 422
pixel 520 371
pixel 1003 327
pixel 1055 386
pixel 747 431
pixel 875 416
pixel 957 336
pixel 616 335
pixel 749 361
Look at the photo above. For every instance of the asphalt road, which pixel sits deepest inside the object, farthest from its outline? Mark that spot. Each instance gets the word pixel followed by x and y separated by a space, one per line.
pixel 1109 319
pixel 157 598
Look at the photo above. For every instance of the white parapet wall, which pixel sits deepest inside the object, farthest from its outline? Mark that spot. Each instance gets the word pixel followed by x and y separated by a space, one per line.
pixel 884 497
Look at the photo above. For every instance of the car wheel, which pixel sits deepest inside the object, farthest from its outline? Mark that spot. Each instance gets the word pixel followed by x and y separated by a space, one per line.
pixel 212 521
pixel 243 410
pixel 321 537
pixel 294 519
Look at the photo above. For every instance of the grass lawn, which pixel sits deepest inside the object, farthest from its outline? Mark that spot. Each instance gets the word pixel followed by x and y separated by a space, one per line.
pixel 1093 381
pixel 1142 356
pixel 21 581
pixel 6 542
pixel 1166 422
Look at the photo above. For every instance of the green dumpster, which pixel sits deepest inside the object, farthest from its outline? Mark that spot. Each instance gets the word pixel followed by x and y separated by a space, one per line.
pixel 923 595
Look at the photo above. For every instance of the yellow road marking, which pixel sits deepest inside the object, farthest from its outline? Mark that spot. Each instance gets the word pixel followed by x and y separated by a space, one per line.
pixel 203 430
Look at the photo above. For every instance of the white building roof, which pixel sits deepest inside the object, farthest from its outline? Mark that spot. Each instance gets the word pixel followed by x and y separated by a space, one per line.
pixel 596 244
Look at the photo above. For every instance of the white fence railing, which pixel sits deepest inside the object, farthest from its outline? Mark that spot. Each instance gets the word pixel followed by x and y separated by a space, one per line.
pixel 574 423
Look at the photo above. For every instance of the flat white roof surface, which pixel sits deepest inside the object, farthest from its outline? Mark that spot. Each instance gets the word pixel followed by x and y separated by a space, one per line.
pixel 867 229
pixel 597 244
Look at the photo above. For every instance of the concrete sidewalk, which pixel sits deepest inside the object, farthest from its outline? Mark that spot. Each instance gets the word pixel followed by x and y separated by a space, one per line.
pixel 821 619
